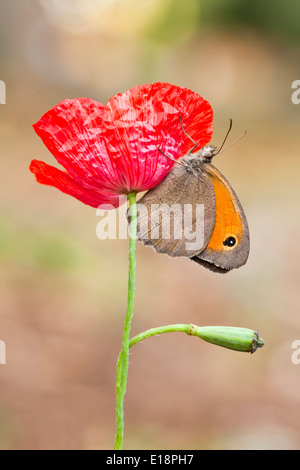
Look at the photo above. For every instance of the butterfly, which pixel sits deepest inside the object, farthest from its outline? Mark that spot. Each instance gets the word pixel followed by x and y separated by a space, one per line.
pixel 215 231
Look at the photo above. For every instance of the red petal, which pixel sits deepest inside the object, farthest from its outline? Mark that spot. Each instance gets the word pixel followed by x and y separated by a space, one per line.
pixel 114 149
pixel 135 123
pixel 72 132
pixel 49 175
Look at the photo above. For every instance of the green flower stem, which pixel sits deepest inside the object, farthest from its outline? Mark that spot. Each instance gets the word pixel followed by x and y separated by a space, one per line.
pixel 238 339
pixel 179 327
pixel 123 360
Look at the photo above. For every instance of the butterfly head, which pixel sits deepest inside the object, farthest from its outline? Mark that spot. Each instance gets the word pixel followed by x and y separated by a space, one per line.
pixel 194 162
pixel 207 153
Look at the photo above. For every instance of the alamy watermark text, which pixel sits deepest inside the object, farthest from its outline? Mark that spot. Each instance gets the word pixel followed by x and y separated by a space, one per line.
pixel 2 92
pixel 296 94
pixel 2 352
pixel 159 221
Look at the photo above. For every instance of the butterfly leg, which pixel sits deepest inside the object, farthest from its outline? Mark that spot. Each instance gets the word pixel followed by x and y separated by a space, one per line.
pixel 170 158
pixel 195 145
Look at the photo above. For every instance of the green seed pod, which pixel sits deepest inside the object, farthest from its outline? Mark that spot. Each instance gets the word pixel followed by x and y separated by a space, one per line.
pixel 239 339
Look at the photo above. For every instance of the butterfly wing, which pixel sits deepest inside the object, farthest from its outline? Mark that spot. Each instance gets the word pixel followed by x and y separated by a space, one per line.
pixel 229 244
pixel 177 216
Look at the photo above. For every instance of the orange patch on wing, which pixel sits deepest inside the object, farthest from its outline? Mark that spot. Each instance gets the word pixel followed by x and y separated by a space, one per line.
pixel 228 221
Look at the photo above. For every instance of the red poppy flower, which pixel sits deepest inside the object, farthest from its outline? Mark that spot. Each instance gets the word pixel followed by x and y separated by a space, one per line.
pixel 112 150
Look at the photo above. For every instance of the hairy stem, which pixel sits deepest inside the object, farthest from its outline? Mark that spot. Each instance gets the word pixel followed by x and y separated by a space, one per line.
pixel 123 360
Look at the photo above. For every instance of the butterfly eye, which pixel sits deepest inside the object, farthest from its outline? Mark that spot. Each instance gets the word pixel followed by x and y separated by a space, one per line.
pixel 230 241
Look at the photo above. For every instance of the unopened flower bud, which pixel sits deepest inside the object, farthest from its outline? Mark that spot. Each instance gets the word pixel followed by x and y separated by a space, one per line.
pixel 239 339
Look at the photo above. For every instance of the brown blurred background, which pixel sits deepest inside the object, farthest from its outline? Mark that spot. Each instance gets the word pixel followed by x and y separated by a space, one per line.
pixel 63 291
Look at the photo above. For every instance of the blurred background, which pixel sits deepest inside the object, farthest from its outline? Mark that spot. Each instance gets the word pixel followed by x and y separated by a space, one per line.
pixel 63 291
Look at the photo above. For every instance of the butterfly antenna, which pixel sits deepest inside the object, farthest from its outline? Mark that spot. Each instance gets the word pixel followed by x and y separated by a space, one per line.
pixel 243 135
pixel 220 149
pixel 227 134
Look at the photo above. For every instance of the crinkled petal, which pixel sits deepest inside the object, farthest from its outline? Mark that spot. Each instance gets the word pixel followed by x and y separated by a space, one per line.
pixel 51 176
pixel 72 131
pixel 146 117
pixel 114 149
